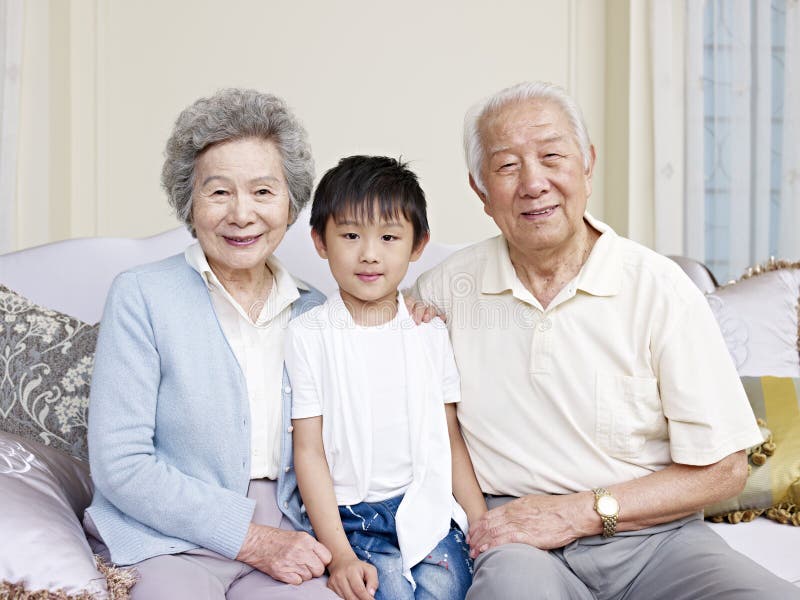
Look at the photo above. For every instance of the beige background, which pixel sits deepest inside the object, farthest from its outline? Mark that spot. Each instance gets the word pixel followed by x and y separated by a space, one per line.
pixel 103 80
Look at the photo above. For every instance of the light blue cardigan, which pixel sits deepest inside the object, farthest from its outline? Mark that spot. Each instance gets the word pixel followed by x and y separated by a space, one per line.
pixel 169 421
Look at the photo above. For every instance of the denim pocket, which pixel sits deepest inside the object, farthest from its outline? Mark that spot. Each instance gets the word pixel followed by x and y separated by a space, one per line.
pixel 629 413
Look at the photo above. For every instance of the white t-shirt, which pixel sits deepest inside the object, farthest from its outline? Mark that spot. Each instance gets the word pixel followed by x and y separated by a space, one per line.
pixel 375 358
pixel 391 443
pixel 354 378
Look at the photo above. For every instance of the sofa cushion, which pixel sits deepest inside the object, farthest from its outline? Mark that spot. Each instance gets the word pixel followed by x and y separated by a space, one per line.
pixel 46 360
pixel 44 546
pixel 773 486
pixel 759 320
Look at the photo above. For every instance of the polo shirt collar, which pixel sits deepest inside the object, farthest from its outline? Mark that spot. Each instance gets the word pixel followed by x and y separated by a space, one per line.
pixel 498 275
pixel 601 275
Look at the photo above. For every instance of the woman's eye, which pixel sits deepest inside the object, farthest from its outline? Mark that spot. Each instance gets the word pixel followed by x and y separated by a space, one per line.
pixel 219 192
pixel 263 192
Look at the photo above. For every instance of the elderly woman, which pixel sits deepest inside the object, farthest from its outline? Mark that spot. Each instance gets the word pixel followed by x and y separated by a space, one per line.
pixel 188 430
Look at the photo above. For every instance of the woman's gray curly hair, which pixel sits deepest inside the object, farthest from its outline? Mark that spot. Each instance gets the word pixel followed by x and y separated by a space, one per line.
pixel 232 114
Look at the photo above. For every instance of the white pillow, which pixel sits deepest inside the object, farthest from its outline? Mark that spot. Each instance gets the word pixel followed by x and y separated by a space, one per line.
pixel 43 544
pixel 758 319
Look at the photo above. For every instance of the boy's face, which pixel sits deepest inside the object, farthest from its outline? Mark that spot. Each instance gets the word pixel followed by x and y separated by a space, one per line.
pixel 368 260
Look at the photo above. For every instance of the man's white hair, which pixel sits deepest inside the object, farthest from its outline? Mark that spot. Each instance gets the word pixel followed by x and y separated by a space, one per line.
pixel 474 150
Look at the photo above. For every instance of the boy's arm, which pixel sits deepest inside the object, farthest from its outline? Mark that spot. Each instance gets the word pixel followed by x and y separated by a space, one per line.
pixel 465 484
pixel 349 577
pixel 316 486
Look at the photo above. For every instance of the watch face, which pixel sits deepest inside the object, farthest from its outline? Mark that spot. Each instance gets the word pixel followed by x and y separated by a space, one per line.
pixel 607 506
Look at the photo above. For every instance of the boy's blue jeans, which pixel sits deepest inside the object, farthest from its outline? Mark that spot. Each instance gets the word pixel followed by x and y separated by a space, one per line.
pixel 445 574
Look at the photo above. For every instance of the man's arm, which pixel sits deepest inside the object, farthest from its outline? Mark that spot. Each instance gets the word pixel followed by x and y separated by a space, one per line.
pixel 550 522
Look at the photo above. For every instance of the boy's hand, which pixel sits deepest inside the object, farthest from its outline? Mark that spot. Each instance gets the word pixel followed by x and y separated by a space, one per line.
pixel 353 579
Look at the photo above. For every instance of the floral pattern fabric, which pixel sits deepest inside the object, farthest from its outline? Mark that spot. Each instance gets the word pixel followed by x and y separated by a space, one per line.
pixel 46 360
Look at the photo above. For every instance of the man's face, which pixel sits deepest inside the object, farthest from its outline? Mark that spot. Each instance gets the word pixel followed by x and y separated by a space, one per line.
pixel 536 184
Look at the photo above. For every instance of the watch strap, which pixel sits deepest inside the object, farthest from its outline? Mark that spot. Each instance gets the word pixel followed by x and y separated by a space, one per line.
pixel 609 521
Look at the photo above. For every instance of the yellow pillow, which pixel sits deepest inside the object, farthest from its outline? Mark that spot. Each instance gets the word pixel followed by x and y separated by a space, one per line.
pixel 773 488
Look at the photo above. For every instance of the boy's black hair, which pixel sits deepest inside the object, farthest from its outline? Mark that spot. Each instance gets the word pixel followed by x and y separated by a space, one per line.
pixel 361 185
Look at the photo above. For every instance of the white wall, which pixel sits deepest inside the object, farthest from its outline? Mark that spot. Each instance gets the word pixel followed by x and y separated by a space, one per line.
pixel 104 80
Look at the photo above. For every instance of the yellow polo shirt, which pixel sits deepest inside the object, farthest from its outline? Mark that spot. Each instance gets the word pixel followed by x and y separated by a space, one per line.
pixel 624 373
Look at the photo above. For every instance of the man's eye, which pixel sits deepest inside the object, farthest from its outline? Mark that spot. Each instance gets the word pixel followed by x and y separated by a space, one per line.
pixel 507 166
pixel 552 156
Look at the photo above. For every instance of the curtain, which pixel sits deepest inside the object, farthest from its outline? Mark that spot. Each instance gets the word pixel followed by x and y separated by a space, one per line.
pixel 10 71
pixel 726 102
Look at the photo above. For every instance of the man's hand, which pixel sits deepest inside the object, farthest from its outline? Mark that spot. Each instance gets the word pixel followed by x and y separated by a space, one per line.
pixel 353 579
pixel 421 313
pixel 543 521
pixel 288 556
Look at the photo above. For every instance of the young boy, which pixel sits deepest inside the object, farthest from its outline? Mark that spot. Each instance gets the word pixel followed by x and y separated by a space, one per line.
pixel 377 447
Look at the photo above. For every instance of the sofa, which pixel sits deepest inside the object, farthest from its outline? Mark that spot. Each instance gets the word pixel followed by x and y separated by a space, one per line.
pixel 51 298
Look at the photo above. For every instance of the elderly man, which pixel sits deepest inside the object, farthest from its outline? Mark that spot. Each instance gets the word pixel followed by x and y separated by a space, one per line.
pixel 599 403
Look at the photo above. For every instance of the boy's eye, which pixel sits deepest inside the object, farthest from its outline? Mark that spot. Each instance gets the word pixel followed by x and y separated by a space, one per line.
pixel 388 237
pixel 350 236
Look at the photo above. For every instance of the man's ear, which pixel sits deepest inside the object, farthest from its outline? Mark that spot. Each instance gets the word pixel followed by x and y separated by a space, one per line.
pixel 420 247
pixel 476 189
pixel 590 170
pixel 481 194
pixel 319 244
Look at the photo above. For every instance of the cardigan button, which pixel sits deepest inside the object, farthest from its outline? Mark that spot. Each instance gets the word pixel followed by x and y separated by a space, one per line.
pixel 287 389
pixel 285 505
pixel 287 469
pixel 290 429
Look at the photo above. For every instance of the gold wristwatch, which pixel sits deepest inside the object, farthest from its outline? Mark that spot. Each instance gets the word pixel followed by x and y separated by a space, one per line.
pixel 607 507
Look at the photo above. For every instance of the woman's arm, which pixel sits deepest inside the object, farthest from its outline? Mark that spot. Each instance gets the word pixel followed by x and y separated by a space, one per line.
pixel 122 426
pixel 465 484
pixel 349 577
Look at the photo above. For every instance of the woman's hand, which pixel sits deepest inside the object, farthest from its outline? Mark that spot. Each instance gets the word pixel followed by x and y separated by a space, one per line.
pixel 353 579
pixel 288 556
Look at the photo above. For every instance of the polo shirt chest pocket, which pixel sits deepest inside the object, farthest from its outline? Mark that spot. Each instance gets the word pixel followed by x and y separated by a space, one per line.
pixel 629 413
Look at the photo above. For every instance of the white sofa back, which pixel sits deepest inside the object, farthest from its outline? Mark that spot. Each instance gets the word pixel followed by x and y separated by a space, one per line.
pixel 73 276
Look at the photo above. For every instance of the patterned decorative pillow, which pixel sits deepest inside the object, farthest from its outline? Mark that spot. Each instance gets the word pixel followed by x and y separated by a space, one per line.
pixel 773 486
pixel 46 360
pixel 758 316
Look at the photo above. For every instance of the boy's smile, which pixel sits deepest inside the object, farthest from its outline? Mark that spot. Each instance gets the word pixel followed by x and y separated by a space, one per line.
pixel 368 261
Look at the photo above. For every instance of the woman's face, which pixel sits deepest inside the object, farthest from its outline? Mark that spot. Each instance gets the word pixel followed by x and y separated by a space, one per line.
pixel 240 205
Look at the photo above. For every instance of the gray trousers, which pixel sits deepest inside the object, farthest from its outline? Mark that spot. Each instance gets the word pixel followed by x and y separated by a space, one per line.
pixel 682 560
pixel 205 575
